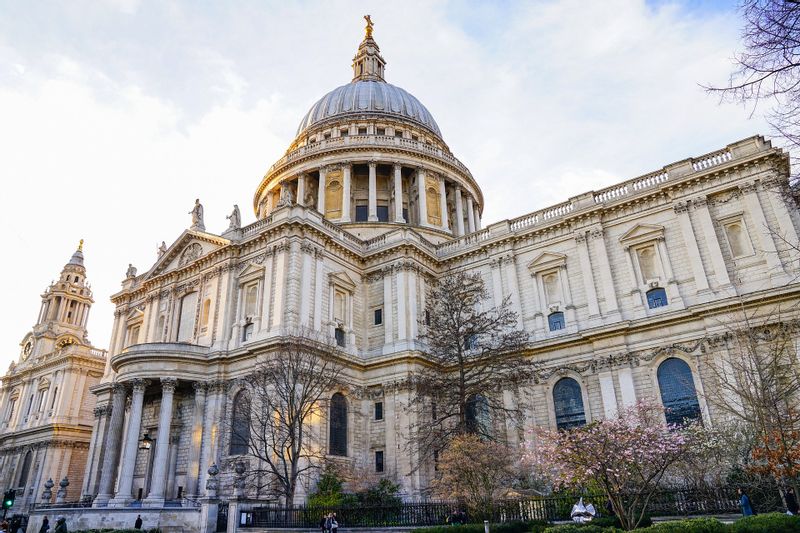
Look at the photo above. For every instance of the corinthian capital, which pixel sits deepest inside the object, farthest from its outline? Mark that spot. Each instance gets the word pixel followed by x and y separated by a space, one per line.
pixel 168 384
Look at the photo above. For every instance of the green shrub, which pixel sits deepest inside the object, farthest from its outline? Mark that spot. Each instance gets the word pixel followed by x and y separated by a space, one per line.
pixel 107 530
pixel 767 523
pixel 534 526
pixel 582 528
pixel 613 521
pixel 691 525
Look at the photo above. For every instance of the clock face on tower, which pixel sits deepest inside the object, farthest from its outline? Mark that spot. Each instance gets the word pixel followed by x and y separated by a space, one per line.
pixel 26 350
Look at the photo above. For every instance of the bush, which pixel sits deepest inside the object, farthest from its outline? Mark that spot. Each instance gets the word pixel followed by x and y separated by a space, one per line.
pixel 106 530
pixel 534 526
pixel 613 521
pixel 691 525
pixel 767 523
pixel 582 528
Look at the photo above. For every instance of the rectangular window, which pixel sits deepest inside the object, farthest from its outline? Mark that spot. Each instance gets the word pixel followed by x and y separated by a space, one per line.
pixel 11 409
pixel 379 461
pixel 339 333
pixel 378 318
pixel 53 401
pixel 414 138
pixel 247 332
pixel 398 133
pixel 405 214
pixel 381 131
pixel 327 136
pixel 362 213
pixel 378 410
pixel 383 213
pixel 362 131
pixel 343 132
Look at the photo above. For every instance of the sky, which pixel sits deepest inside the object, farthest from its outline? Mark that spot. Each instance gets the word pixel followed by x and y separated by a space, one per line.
pixel 115 115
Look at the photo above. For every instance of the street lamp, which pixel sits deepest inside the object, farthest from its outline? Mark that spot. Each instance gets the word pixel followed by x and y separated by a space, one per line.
pixel 146 442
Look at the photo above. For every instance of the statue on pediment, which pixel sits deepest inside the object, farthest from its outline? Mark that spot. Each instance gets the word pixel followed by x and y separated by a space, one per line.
pixel 197 216
pixel 235 217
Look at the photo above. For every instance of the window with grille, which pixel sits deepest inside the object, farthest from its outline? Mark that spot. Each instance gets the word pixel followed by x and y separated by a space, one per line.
pixel 337 444
pixel 678 395
pixel 240 424
pixel 555 321
pixel 568 403
pixel 656 298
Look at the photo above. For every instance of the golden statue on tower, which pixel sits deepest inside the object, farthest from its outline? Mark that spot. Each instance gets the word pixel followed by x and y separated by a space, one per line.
pixel 369 26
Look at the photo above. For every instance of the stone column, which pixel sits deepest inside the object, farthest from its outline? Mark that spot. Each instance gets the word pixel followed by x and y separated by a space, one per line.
pixel 763 231
pixel 512 287
pixel 700 279
pixel 210 429
pixel 125 486
pixel 402 333
pixel 470 215
pixel 111 453
pixel 398 194
pixel 321 191
pixel 788 233
pixel 443 203
pixel 588 275
pixel 608 394
pixel 636 291
pixel 281 258
pixel 301 189
pixel 707 226
pixel 156 496
pixel 318 282
pixel 193 491
pixel 422 197
pixel 307 252
pixel 604 270
pixel 672 283
pixel 347 169
pixel 459 227
pixel 413 311
pixel 373 193
pixel 171 467
pixel 477 218
pixel 266 300
pixel 388 319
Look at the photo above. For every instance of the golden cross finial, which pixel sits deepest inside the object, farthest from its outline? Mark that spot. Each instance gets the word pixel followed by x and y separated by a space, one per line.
pixel 369 26
pixel 80 246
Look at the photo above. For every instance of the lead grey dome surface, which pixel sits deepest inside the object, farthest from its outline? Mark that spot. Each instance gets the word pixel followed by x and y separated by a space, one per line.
pixel 368 96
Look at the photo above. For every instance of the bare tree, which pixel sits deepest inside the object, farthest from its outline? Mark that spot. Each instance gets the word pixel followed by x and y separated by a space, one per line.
pixel 276 425
pixel 758 385
pixel 768 70
pixel 474 353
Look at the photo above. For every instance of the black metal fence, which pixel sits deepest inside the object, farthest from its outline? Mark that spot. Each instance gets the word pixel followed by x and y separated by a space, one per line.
pixel 671 502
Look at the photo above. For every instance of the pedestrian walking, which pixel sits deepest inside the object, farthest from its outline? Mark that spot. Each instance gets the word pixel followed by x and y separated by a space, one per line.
pixel 322 524
pixel 334 524
pixel 744 503
pixel 138 523
pixel 45 525
pixel 61 525
pixel 791 501
pixel 328 519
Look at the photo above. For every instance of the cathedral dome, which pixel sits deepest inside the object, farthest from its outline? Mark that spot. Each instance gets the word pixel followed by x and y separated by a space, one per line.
pixel 368 97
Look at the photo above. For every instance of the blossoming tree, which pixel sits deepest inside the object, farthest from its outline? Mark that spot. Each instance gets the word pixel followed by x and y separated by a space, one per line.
pixel 626 457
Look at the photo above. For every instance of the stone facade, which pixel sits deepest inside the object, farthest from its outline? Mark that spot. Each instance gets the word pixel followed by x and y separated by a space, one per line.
pixel 365 210
pixel 46 408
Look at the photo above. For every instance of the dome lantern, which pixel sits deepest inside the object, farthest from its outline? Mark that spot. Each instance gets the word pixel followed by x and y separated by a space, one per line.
pixel 368 63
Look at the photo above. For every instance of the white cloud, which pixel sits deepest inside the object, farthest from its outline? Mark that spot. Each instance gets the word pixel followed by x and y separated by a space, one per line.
pixel 120 118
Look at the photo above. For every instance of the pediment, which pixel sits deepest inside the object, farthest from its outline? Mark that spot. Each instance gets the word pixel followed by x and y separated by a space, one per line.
pixel 188 248
pixel 642 233
pixel 546 261
pixel 135 314
pixel 343 280
pixel 250 271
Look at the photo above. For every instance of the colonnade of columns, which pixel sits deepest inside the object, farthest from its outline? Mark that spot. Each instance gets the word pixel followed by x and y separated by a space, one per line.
pixel 121 443
pixel 458 211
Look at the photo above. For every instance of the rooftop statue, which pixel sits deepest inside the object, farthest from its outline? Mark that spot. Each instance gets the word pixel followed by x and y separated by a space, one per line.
pixel 369 26
pixel 197 216
pixel 235 218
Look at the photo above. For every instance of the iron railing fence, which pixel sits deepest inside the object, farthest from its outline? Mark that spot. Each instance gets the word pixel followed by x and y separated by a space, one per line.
pixel 667 502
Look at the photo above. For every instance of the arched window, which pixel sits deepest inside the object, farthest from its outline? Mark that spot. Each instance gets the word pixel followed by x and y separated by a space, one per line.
pixel 477 415
pixel 25 470
pixel 737 240
pixel 555 321
pixel 240 424
pixel 677 391
pixel 338 426
pixel 568 402
pixel 656 298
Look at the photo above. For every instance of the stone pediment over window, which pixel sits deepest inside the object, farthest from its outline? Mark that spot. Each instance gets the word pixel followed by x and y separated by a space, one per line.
pixel 547 261
pixel 251 272
pixel 136 315
pixel 188 248
pixel 342 280
pixel 642 233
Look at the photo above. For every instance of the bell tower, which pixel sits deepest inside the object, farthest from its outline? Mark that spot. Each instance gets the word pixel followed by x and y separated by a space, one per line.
pixel 65 310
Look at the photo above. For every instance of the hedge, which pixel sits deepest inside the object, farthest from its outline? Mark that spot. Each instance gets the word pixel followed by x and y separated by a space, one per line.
pixel 106 530
pixel 534 526
pixel 767 523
